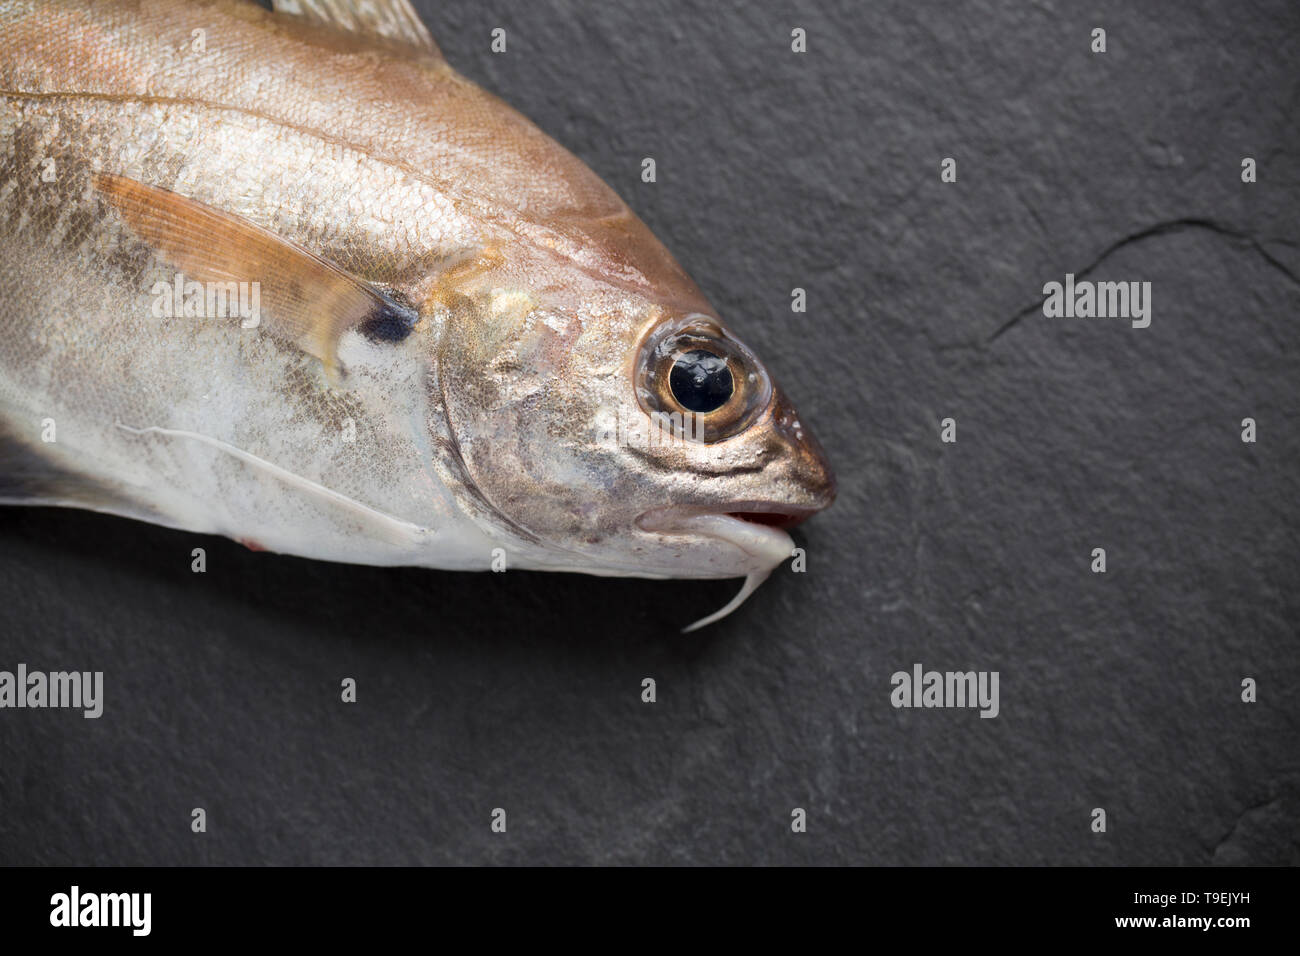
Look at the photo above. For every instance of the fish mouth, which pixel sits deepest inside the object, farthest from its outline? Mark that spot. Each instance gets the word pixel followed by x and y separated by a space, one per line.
pixel 755 528
pixel 783 516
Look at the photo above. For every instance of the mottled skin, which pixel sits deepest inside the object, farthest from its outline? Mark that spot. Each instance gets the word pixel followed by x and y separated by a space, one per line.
pixel 487 427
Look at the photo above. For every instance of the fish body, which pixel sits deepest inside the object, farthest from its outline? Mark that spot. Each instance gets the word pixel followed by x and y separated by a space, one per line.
pixel 301 284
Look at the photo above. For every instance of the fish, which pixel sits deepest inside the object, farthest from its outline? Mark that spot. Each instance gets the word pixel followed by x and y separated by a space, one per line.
pixel 281 274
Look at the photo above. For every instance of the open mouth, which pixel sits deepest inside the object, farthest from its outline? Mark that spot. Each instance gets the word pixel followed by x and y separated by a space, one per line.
pixel 773 519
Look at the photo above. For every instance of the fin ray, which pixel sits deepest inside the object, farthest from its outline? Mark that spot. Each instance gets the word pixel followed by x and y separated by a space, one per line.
pixel 390 19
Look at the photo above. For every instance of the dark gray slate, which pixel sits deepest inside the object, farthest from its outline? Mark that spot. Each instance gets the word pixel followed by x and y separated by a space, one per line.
pixel 775 170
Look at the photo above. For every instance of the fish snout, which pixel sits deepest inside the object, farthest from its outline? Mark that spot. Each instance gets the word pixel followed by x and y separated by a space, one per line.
pixel 810 470
pixel 799 478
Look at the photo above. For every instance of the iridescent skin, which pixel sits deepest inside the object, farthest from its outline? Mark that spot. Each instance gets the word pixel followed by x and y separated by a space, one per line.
pixel 489 427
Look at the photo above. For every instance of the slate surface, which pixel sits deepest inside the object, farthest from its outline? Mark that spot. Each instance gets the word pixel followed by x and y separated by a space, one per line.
pixel 778 170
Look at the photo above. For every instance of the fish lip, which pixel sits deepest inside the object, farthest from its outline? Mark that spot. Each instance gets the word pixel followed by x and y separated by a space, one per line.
pixel 766 544
pixel 771 515
pixel 775 514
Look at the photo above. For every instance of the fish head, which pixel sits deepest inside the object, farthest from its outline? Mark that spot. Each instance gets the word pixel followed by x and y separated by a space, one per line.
pixel 615 429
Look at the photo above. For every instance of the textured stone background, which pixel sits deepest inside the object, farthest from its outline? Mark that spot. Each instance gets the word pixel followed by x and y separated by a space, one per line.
pixel 776 170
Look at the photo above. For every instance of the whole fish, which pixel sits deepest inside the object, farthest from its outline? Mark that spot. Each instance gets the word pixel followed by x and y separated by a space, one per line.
pixel 285 276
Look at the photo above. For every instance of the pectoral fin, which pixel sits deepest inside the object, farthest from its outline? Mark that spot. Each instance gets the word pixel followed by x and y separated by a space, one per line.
pixel 305 300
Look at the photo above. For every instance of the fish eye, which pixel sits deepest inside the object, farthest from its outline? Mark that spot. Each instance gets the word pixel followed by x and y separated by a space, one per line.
pixel 699 381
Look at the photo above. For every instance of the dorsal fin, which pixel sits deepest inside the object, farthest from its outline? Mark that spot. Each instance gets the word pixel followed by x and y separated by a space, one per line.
pixel 304 300
pixel 391 19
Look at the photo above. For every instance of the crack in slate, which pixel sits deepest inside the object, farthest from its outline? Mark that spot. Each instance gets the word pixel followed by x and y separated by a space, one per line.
pixel 1160 229
pixel 1237 823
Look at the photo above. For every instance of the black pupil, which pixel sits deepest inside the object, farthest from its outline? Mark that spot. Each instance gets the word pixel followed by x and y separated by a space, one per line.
pixel 701 381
